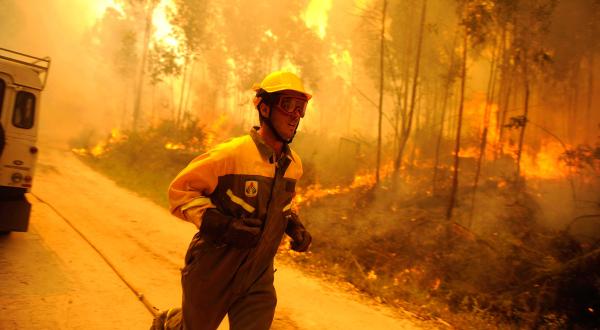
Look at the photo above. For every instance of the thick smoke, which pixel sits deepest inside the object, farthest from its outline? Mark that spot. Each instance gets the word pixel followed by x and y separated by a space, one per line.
pixel 81 89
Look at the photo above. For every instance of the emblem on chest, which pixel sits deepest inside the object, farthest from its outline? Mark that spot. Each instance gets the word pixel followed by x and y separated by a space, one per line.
pixel 251 189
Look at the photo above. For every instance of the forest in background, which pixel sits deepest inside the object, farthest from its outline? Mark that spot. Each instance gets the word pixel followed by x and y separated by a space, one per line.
pixel 451 151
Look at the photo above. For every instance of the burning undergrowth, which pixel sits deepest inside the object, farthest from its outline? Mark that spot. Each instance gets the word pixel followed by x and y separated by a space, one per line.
pixel 145 161
pixel 523 253
pixel 497 263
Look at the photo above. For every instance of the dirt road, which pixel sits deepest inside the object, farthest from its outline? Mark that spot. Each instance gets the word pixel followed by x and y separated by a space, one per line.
pixel 51 278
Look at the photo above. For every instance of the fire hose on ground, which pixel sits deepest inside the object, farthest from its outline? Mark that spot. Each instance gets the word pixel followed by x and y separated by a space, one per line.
pixel 149 306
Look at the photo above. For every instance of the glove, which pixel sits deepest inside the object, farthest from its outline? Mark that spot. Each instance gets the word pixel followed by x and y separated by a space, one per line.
pixel 242 233
pixel 301 241
pixel 301 238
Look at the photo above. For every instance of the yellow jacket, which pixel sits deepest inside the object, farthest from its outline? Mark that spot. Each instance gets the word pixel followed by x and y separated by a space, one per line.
pixel 235 176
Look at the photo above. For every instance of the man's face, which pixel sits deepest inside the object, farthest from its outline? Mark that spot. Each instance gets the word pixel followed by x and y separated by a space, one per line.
pixel 286 112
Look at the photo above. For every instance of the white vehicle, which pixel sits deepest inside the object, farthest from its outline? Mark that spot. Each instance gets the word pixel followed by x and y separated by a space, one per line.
pixel 22 79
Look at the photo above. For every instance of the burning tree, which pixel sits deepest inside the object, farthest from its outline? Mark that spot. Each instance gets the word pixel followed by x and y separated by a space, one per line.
pixel 475 101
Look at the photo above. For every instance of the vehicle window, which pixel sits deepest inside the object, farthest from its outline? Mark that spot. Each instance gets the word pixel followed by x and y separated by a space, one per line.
pixel 24 110
pixel 2 85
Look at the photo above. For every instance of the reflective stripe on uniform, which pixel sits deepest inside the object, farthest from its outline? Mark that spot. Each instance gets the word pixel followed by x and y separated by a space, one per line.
pixel 287 207
pixel 198 201
pixel 240 201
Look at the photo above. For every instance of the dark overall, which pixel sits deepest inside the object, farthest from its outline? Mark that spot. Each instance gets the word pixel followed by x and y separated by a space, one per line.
pixel 219 279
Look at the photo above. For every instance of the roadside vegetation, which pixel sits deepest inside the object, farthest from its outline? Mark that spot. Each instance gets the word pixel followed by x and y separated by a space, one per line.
pixel 146 161
pixel 499 265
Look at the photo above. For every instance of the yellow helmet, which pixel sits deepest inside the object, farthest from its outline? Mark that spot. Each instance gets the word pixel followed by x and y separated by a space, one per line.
pixel 281 80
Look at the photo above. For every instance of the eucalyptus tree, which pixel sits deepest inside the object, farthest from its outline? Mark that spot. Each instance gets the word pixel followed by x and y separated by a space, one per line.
pixel 475 17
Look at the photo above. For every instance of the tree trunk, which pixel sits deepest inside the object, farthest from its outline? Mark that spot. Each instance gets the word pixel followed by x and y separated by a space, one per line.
pixel 417 136
pixel 186 102
pixel 397 109
pixel 407 128
pixel 403 110
pixel 404 104
pixel 454 105
pixel 525 114
pixel 448 85
pixel 182 92
pixel 502 65
pixel 152 105
pixel 574 122
pixel 151 5
pixel 589 116
pixel 126 98
pixel 458 129
pixel 504 112
pixel 504 94
pixel 172 100
pixel 486 124
pixel 431 109
pixel 381 56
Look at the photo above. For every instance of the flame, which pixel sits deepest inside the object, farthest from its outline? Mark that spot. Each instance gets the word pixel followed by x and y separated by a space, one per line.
pixel 342 61
pixel 174 146
pixel 361 5
pixel 217 126
pixel 164 32
pixel 316 16
pixel 116 136
pixel 98 149
pixel 542 164
pixel 80 151
pixel 367 179
pixel 269 35
pixel 470 152
pixel 364 179
pixel 103 5
pixel 314 192
pixel 545 164
pixel 371 275
pixel 501 184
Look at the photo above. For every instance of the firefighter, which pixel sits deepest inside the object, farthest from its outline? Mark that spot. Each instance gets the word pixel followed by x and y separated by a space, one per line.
pixel 239 195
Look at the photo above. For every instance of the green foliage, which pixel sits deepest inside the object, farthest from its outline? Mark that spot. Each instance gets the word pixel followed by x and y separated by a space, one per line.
pixel 147 161
pixel 398 247
pixel 287 38
pixel 330 162
pixel 126 57
pixel 191 20
pixel 477 17
pixel 163 63
pixel 583 156
pixel 192 17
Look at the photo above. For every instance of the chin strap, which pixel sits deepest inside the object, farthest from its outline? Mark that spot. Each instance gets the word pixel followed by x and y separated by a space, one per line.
pixel 267 120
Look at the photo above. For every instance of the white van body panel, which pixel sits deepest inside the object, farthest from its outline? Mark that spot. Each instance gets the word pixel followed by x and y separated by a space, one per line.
pixel 21 76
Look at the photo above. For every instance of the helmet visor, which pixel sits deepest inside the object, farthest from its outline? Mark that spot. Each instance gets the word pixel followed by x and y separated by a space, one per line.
pixel 291 104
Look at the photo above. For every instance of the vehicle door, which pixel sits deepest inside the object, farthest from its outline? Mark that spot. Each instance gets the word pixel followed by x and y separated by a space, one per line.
pixel 20 120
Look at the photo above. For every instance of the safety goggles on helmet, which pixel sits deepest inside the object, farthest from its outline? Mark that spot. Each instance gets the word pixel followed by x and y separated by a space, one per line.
pixel 291 104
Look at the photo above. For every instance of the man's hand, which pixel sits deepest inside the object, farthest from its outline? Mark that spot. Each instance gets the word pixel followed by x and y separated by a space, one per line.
pixel 301 241
pixel 301 238
pixel 242 233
